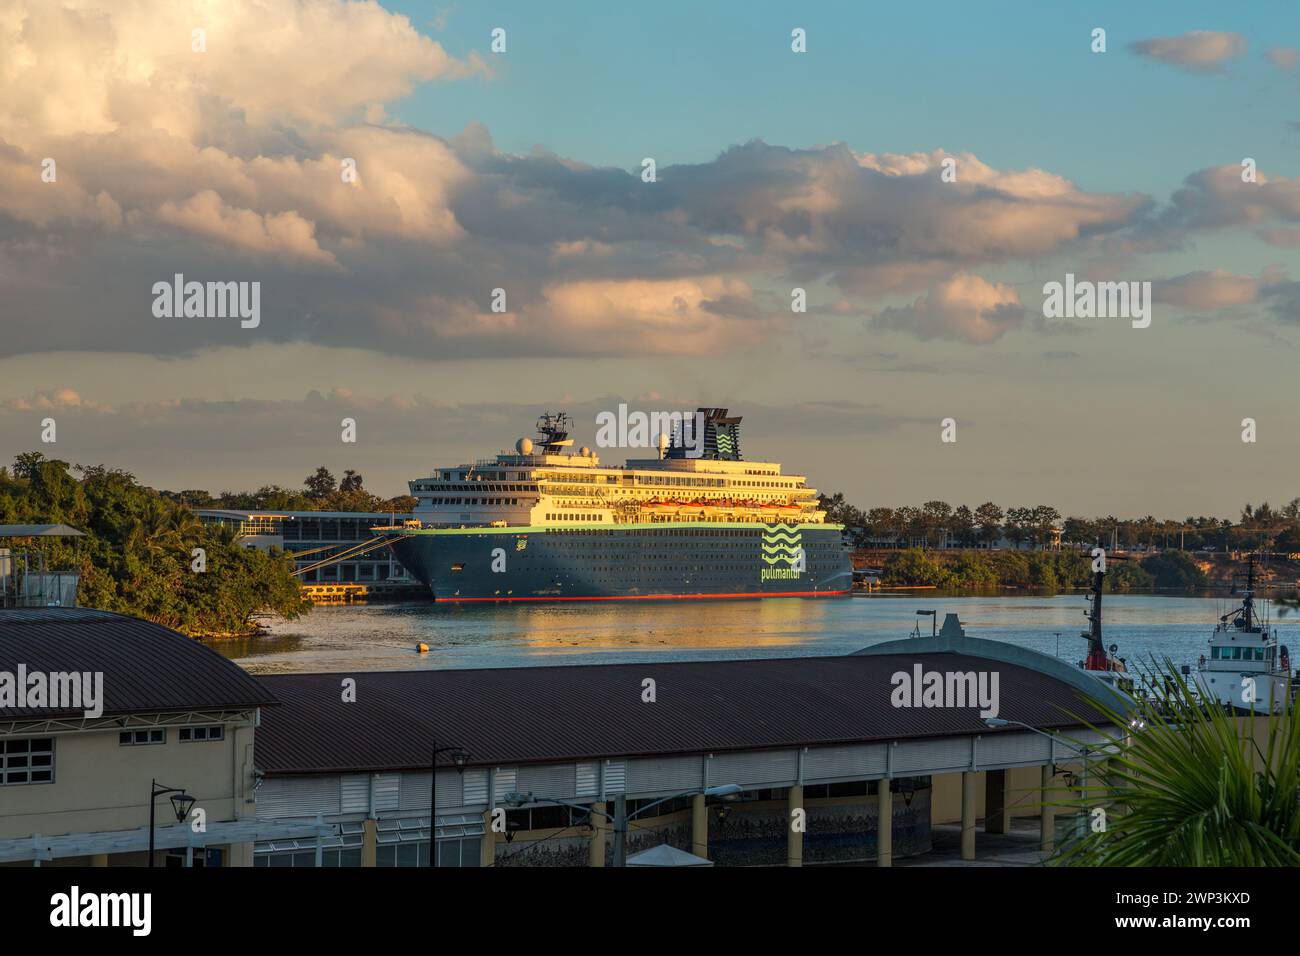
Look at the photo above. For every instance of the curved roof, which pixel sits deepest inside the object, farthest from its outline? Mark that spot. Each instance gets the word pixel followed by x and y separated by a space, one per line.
pixel 582 712
pixel 146 667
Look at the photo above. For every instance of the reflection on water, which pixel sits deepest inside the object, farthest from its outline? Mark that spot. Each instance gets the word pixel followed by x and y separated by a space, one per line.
pixel 384 636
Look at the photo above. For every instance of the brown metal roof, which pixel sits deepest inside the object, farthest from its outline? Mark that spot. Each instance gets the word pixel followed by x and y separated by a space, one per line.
pixel 146 667
pixel 539 714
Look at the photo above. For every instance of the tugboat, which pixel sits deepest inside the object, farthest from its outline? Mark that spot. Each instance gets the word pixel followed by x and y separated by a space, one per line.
pixel 1247 671
pixel 1101 662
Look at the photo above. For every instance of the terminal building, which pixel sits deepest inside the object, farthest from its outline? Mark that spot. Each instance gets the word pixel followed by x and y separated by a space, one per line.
pixel 76 783
pixel 329 547
pixel 708 761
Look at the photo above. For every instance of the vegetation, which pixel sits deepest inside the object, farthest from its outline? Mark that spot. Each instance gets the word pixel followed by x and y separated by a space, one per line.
pixel 939 524
pixel 973 570
pixel 322 492
pixel 138 555
pixel 1192 786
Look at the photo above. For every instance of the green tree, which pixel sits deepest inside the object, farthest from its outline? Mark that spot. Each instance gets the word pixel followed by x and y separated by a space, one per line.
pixel 1190 785
pixel 320 484
pixel 988 518
pixel 912 566
pixel 137 553
pixel 1174 569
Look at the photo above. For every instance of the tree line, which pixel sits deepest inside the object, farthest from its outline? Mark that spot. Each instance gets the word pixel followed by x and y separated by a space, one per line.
pixel 138 556
pixel 937 523
pixel 321 492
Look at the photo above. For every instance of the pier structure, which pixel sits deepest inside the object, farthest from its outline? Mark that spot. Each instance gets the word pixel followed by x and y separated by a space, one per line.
pixel 768 762
pixel 337 555
pixel 558 756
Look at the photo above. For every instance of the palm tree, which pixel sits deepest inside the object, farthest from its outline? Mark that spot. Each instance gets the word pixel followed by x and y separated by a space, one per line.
pixel 1191 785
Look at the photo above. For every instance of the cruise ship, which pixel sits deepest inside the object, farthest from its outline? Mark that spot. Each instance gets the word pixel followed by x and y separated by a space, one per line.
pixel 550 523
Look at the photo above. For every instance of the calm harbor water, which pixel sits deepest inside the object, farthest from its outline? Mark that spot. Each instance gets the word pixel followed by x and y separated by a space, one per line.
pixel 384 636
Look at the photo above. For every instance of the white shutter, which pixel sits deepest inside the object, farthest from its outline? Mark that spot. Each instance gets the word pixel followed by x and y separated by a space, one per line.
pixel 506 781
pixel 297 796
pixel 355 793
pixel 386 791
pixel 615 776
pixel 588 780
pixel 476 787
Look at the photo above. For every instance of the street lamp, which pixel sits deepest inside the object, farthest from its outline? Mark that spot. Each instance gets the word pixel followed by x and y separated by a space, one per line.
pixel 1082 750
pixel 460 757
pixel 181 802
pixel 620 817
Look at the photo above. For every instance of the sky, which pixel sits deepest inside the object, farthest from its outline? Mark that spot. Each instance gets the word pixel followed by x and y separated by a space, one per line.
pixel 920 173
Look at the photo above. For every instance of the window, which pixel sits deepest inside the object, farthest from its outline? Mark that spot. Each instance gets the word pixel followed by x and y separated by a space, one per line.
pixel 27 761
pixel 202 733
pixel 132 738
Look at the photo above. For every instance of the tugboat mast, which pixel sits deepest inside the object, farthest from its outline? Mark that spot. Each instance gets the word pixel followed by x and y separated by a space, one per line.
pixel 1097 659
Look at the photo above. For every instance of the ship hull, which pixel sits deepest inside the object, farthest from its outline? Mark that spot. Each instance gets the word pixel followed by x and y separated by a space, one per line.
pixel 592 564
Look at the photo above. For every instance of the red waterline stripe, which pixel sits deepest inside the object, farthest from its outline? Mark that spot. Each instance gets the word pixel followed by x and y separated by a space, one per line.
pixel 647 597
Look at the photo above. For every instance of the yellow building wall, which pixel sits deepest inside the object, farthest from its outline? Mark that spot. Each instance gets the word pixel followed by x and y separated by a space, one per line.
pixel 100 785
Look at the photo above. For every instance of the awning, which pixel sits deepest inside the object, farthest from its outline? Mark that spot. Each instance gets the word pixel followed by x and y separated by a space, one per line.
pixel 39 531
pixel 248 830
pixel 665 855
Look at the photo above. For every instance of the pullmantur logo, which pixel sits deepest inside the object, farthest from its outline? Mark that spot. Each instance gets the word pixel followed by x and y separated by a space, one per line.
pixel 54 690
pixel 950 689
pixel 782 543
pixel 637 429
pixel 76 909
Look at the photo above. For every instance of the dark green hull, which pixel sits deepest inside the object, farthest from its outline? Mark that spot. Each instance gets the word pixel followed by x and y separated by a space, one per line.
pixel 669 561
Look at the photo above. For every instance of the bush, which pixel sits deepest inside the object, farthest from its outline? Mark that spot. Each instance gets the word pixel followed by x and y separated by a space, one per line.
pixel 1128 576
pixel 1174 569
pixel 912 566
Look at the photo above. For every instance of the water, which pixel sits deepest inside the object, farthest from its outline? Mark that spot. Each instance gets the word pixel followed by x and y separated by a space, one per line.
pixel 384 636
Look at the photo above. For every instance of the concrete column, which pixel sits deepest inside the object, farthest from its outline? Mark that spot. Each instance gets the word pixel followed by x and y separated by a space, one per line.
pixel 997 808
pixel 599 827
pixel 1047 821
pixel 99 859
pixel 487 850
pixel 793 839
pixel 369 841
pixel 700 826
pixel 968 815
pixel 884 824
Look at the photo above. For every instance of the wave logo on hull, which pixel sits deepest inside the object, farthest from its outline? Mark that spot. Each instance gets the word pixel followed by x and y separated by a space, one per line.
pixel 782 544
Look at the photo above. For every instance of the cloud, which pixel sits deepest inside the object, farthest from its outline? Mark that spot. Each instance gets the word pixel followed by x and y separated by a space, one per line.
pixel 186 443
pixel 286 233
pixel 966 308
pixel 1217 198
pixel 1284 57
pixel 1215 289
pixel 1198 51
pixel 228 165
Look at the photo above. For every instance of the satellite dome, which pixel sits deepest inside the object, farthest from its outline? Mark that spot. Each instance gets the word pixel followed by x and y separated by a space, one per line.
pixel 524 446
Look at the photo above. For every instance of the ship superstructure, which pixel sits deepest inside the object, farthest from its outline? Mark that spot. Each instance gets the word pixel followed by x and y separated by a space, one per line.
pixel 1248 670
pixel 546 521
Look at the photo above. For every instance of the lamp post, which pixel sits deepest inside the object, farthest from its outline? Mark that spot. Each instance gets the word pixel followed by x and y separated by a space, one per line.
pixel 181 802
pixel 620 817
pixel 459 756
pixel 1082 750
